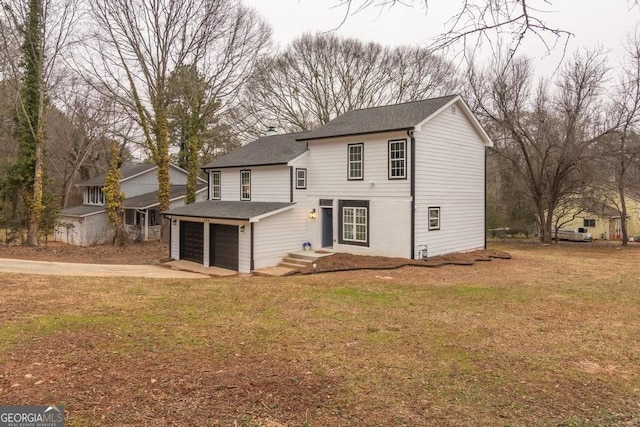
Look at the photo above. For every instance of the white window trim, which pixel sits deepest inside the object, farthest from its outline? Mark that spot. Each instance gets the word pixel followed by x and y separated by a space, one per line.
pixel 242 186
pixel 212 193
pixel 354 224
pixel 429 218
pixel 99 196
pixel 299 185
pixel 353 162
pixel 402 159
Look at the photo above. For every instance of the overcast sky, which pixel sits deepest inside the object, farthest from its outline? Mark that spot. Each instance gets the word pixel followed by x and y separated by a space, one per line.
pixel 604 22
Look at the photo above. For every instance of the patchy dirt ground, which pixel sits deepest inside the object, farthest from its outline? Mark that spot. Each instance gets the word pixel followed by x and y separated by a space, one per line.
pixel 132 253
pixel 157 252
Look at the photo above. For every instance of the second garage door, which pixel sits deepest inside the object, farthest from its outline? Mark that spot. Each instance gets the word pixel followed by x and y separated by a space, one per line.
pixel 223 246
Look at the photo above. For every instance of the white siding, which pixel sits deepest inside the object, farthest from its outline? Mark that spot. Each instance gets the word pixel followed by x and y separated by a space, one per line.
pixel 97 230
pixel 148 182
pixel 268 183
pixel 279 234
pixel 450 175
pixel 244 249
pixel 389 199
pixel 69 230
pixel 328 168
pixel 174 248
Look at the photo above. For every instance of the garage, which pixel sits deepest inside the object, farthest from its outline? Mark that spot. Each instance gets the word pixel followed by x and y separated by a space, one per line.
pixel 192 241
pixel 223 246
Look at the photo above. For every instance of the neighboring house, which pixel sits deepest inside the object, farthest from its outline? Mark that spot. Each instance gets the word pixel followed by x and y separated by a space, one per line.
pixel 401 180
pixel 601 218
pixel 87 224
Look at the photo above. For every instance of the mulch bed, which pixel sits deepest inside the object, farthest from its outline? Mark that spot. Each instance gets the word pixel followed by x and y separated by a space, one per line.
pixel 348 262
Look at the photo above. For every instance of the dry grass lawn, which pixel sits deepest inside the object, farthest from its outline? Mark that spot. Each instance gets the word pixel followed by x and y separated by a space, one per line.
pixel 550 337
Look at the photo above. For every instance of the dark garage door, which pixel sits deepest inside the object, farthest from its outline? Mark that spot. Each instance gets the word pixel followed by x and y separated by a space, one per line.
pixel 191 241
pixel 223 246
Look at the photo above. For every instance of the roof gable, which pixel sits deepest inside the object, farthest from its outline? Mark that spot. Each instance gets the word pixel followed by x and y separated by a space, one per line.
pixel 404 116
pixel 267 150
pixel 129 171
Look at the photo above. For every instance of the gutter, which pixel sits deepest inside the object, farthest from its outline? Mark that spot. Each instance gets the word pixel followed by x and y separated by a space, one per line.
pixel 413 192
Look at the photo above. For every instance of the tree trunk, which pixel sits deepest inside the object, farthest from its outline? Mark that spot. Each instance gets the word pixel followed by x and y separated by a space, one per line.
pixel 623 214
pixel 192 168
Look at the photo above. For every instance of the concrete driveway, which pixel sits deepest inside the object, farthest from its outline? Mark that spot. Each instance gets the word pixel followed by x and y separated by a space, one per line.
pixel 93 270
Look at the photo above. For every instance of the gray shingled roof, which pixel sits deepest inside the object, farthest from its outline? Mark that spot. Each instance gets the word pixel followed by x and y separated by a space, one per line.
pixel 82 210
pixel 148 200
pixel 127 170
pixel 379 119
pixel 226 209
pixel 268 150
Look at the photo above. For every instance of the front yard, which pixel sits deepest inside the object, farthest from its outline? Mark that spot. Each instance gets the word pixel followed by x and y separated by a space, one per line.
pixel 550 337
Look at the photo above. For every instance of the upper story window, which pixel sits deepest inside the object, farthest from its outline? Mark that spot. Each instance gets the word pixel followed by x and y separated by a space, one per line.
pixel 301 179
pixel 215 185
pixel 398 159
pixel 356 161
pixel 245 185
pixel 94 196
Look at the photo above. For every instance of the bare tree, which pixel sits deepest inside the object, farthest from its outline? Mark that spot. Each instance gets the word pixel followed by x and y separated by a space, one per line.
pixel 622 148
pixel 321 76
pixel 138 45
pixel 43 28
pixel 478 21
pixel 546 132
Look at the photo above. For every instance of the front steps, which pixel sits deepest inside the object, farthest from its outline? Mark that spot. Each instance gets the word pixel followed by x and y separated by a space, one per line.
pixel 298 260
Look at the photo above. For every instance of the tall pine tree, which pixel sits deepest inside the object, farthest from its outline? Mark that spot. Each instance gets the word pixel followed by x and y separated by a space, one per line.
pixel 27 174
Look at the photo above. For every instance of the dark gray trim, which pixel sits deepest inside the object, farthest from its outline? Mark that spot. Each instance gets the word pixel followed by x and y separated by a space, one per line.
pixel 389 142
pixel 326 202
pixel 413 193
pixel 352 204
pixel 357 133
pixel 206 169
pixel 361 144
pixel 291 177
pixel 250 191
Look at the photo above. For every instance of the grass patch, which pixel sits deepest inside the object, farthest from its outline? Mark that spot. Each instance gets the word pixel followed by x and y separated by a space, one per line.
pixel 547 338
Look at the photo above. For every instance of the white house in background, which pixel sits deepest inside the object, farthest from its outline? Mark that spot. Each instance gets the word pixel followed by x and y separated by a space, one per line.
pixel 87 224
pixel 401 180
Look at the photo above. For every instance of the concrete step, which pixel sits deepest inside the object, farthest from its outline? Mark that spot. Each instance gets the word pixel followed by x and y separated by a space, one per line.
pixel 294 262
pixel 302 257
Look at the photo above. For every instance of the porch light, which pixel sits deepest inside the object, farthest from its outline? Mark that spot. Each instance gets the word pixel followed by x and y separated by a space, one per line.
pixel 313 214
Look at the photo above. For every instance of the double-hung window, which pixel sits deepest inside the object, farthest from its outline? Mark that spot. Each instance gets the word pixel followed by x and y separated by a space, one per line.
pixel 245 185
pixel 589 222
pixel 95 196
pixel 434 218
pixel 301 179
pixel 398 159
pixel 354 222
pixel 356 161
pixel 215 185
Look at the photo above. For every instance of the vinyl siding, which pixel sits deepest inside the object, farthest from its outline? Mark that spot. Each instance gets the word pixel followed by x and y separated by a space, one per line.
pixel 450 172
pixel 268 183
pixel 389 199
pixel 279 234
pixel 328 168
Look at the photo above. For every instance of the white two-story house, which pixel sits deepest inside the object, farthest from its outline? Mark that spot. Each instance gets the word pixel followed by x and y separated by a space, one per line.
pixel 403 180
pixel 87 224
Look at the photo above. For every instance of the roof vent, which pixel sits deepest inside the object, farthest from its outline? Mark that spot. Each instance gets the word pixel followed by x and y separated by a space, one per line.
pixel 271 130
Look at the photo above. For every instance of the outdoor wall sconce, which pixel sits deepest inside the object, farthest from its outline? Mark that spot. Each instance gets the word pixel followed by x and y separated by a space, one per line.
pixel 313 214
pixel 242 228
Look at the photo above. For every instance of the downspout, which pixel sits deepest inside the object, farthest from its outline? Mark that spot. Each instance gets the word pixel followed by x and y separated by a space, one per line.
pixel 291 184
pixel 485 196
pixel 413 193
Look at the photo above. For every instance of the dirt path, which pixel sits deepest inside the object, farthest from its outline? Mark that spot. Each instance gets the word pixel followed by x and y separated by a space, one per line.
pixel 93 270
